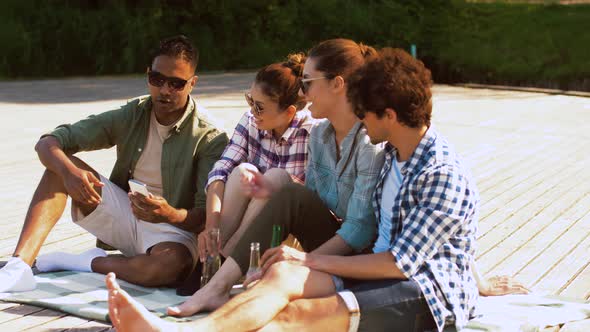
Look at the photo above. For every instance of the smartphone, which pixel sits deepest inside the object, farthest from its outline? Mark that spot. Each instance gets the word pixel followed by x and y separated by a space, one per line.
pixel 138 187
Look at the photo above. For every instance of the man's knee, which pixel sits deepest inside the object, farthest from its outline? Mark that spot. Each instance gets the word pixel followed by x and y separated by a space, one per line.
pixel 167 265
pixel 279 271
pixel 288 277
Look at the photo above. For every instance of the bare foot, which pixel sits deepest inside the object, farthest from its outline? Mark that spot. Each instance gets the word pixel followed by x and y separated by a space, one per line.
pixel 502 285
pixel 207 298
pixel 128 314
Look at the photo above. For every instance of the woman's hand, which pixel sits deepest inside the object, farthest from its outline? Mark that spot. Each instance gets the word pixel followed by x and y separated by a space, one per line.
pixel 255 185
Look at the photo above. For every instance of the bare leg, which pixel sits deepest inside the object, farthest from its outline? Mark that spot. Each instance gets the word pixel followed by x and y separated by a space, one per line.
pixel 320 314
pixel 234 202
pixel 248 311
pixel 277 176
pixel 166 264
pixel 256 307
pixel 46 207
pixel 214 294
pixel 126 314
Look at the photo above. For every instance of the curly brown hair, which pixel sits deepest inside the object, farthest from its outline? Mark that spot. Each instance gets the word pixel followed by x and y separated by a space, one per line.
pixel 393 79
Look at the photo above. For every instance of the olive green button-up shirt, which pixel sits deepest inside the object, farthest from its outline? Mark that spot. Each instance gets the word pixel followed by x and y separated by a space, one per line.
pixel 188 154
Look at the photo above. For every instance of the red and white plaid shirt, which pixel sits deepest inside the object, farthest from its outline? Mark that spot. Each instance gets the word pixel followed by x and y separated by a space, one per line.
pixel 259 147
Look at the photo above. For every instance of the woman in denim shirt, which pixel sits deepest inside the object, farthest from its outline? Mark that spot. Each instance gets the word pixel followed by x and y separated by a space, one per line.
pixel 331 214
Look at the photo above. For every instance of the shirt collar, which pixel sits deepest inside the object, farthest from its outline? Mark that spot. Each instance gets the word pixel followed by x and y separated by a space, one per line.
pixel 328 135
pixel 421 152
pixel 189 109
pixel 297 122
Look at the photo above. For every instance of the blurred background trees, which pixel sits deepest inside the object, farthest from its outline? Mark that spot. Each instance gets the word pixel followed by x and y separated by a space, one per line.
pixel 531 43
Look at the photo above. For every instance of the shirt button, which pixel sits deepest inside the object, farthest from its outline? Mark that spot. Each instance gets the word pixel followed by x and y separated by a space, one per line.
pixel 139 149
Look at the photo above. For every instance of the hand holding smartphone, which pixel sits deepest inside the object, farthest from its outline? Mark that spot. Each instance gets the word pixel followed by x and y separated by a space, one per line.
pixel 138 187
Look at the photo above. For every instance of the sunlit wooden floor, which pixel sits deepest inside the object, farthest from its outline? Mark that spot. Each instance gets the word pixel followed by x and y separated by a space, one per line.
pixel 528 152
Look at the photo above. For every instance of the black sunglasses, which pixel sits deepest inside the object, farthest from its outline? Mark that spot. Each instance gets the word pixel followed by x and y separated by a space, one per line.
pixel 158 80
pixel 305 83
pixel 255 108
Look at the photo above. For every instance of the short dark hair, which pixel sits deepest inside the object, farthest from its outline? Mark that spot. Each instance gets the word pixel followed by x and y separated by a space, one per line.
pixel 281 81
pixel 393 79
pixel 177 47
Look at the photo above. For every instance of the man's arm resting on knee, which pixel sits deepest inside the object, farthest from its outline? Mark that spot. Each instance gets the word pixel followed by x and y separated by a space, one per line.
pixel 371 266
pixel 79 183
pixel 53 157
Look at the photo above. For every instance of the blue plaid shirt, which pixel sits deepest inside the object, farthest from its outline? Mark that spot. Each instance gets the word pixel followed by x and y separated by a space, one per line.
pixel 346 185
pixel 433 227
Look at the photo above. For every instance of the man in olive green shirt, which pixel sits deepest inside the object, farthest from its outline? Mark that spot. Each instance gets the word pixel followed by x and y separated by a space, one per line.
pixel 164 142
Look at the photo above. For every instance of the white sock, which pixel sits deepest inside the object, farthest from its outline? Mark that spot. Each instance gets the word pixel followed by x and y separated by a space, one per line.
pixel 58 261
pixel 16 276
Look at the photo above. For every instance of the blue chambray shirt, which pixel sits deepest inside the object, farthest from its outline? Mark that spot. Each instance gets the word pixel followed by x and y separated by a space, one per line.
pixel 346 185
pixel 434 224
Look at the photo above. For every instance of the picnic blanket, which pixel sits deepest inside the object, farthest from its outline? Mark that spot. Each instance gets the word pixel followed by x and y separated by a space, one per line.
pixel 84 295
pixel 526 313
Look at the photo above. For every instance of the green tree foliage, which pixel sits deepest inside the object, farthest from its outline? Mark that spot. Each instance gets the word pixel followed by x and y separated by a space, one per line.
pixel 520 44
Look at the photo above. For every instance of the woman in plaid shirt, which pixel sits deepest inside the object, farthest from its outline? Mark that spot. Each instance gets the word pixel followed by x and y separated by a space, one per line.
pixel 269 144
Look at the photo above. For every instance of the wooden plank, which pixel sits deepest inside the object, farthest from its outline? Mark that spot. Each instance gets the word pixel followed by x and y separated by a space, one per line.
pixel 498 207
pixel 60 324
pixel 546 207
pixel 15 312
pixel 566 230
pixel 552 272
pixel 579 287
pixel 32 320
pixel 91 326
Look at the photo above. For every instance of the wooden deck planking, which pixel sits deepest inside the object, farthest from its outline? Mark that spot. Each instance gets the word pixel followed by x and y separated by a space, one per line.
pixel 526 151
pixel 32 320
pixel 578 288
pixel 542 210
pixel 569 228
pixel 574 248
pixel 63 324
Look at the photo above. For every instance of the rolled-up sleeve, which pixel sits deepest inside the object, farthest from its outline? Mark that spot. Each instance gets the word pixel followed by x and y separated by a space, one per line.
pixel 234 154
pixel 443 199
pixel 216 141
pixel 360 226
pixel 95 132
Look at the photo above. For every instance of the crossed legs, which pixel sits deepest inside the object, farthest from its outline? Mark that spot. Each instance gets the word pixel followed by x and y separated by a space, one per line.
pixel 288 298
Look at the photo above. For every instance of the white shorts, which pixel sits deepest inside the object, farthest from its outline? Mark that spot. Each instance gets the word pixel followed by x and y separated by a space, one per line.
pixel 113 223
